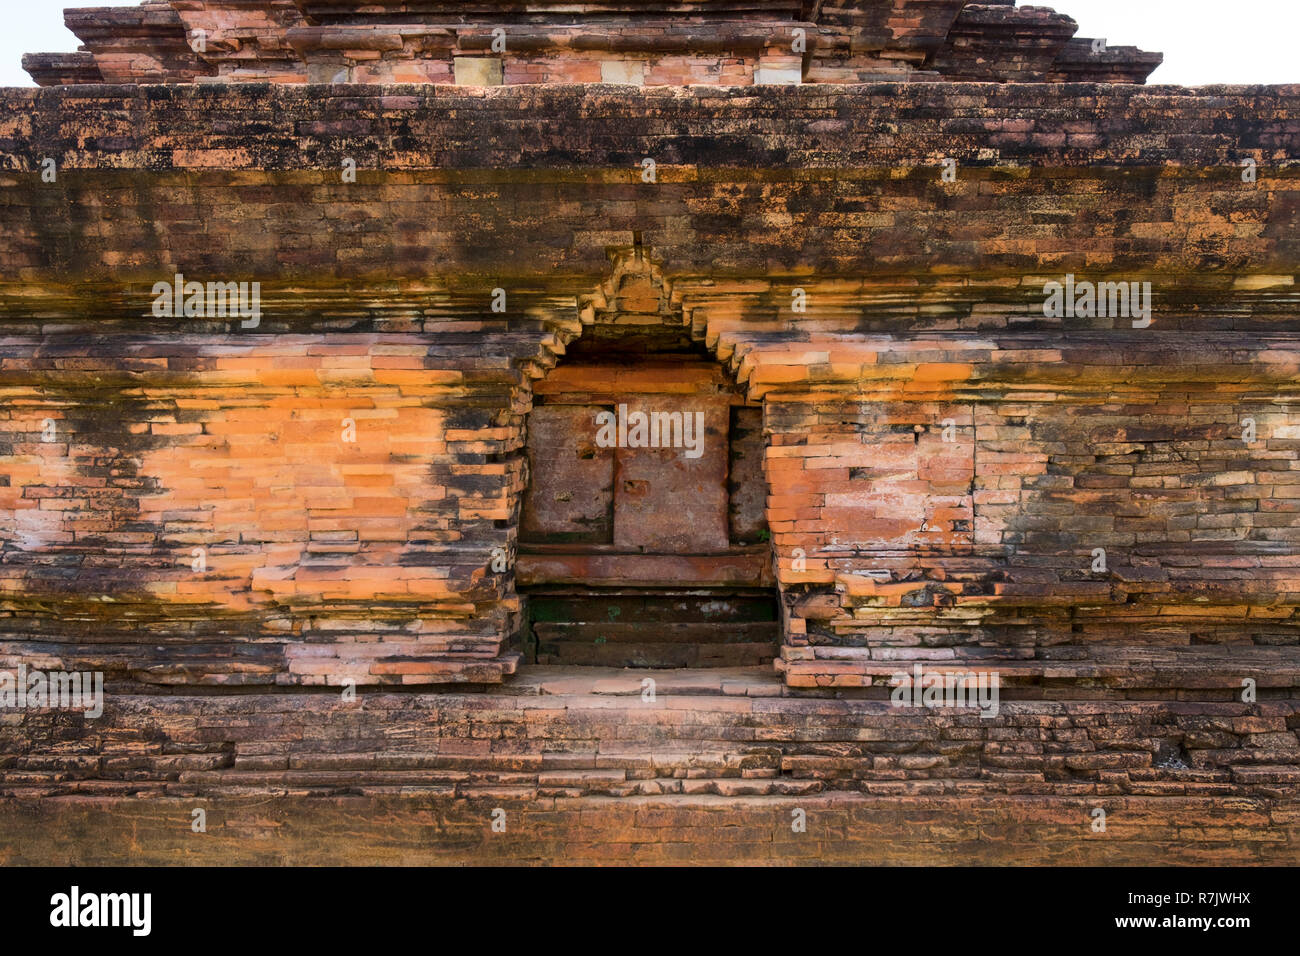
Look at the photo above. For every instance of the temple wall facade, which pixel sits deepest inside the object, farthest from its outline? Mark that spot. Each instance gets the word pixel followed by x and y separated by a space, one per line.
pixel 331 491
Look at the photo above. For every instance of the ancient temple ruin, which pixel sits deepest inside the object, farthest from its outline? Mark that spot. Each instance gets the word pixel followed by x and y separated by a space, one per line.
pixel 390 387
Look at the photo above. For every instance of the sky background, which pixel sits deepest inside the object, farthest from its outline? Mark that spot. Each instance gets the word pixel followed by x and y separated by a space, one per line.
pixel 1204 41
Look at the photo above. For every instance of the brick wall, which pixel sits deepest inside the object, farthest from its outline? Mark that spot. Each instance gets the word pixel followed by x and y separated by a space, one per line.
pixel 598 778
pixel 343 497
pixel 372 559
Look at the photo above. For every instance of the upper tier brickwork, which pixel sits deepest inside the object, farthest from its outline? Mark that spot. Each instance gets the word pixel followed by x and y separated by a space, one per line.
pixel 654 43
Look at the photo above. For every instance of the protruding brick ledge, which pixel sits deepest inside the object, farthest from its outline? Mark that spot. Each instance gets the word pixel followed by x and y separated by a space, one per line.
pixel 421 829
pixel 578 732
pixel 588 771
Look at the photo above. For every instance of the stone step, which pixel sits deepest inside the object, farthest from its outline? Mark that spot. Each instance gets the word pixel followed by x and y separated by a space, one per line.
pixel 674 644
pixel 654 629
pixel 652 654
pixel 663 632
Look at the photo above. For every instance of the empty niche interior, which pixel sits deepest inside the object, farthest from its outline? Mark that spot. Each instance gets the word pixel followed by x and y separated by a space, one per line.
pixel 643 541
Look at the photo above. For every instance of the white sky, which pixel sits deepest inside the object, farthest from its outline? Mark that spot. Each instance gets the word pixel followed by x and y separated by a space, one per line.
pixel 1204 41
